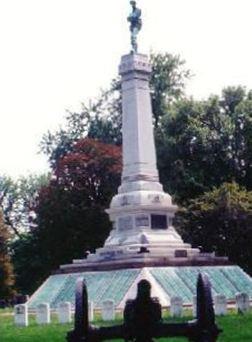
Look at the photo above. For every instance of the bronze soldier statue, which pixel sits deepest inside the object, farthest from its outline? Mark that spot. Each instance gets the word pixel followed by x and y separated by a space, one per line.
pixel 135 24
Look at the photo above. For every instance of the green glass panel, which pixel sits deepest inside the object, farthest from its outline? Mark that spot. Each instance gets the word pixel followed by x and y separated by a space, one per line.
pixel 169 280
pixel 101 285
pixel 49 290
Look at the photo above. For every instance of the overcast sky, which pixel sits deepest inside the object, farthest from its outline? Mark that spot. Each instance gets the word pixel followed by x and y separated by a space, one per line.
pixel 55 54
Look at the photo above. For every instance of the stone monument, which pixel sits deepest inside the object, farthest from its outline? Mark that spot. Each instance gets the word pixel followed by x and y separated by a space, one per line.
pixel 108 310
pixel 43 315
pixel 220 305
pixel 242 302
pixel 64 313
pixel 143 242
pixel 176 308
pixel 141 213
pixel 21 318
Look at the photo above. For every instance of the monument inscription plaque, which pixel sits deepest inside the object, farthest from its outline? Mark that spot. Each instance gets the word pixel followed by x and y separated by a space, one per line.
pixel 125 223
pixel 142 221
pixel 158 221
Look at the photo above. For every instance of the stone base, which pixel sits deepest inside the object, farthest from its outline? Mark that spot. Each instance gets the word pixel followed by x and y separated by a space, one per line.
pixel 144 260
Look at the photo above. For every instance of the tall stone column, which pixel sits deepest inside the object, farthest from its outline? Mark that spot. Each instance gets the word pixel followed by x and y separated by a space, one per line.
pixel 139 156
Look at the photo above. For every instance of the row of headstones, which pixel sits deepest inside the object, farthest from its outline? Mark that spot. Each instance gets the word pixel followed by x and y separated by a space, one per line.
pixel 220 305
pixel 64 313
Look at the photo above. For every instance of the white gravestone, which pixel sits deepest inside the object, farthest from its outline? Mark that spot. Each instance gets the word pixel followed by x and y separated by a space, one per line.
pixel 194 306
pixel 43 314
pixel 108 310
pixel 220 305
pixel 176 307
pixel 64 313
pixel 242 302
pixel 90 311
pixel 21 315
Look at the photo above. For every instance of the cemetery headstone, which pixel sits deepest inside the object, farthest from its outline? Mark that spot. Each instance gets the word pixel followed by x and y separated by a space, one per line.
pixel 176 307
pixel 21 315
pixel 64 313
pixel 91 311
pixel 242 302
pixel 220 305
pixel 108 310
pixel 43 314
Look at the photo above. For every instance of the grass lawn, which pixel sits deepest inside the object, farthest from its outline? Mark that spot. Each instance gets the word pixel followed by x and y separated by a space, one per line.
pixel 236 328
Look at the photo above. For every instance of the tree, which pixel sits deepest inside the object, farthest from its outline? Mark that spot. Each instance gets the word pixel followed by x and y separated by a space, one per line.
pixel 243 141
pixel 70 212
pixel 6 269
pixel 27 260
pixel 202 144
pixel 232 97
pixel 167 82
pixel 16 200
pixel 221 221
pixel 8 198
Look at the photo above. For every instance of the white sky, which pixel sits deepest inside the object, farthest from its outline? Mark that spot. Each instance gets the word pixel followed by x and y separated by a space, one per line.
pixel 55 54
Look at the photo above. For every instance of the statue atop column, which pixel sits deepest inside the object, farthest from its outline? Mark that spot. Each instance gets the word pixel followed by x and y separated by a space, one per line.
pixel 135 24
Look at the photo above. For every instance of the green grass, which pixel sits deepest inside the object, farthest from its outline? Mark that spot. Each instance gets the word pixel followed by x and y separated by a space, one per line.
pixel 236 328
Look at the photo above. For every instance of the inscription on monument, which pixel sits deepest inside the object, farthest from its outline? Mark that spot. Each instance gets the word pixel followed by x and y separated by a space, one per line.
pixel 110 255
pixel 156 199
pixel 125 223
pixel 142 221
pixel 158 221
pixel 180 253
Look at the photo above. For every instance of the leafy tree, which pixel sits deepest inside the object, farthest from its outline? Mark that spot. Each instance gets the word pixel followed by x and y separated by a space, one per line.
pixel 167 82
pixel 27 260
pixel 202 144
pixel 6 270
pixel 70 211
pixel 221 221
pixel 8 198
pixel 17 198
pixel 243 141
pixel 231 97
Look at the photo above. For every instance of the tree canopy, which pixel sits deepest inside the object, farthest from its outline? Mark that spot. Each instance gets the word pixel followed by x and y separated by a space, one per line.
pixel 6 268
pixel 70 211
pixel 17 199
pixel 201 144
pixel 221 221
